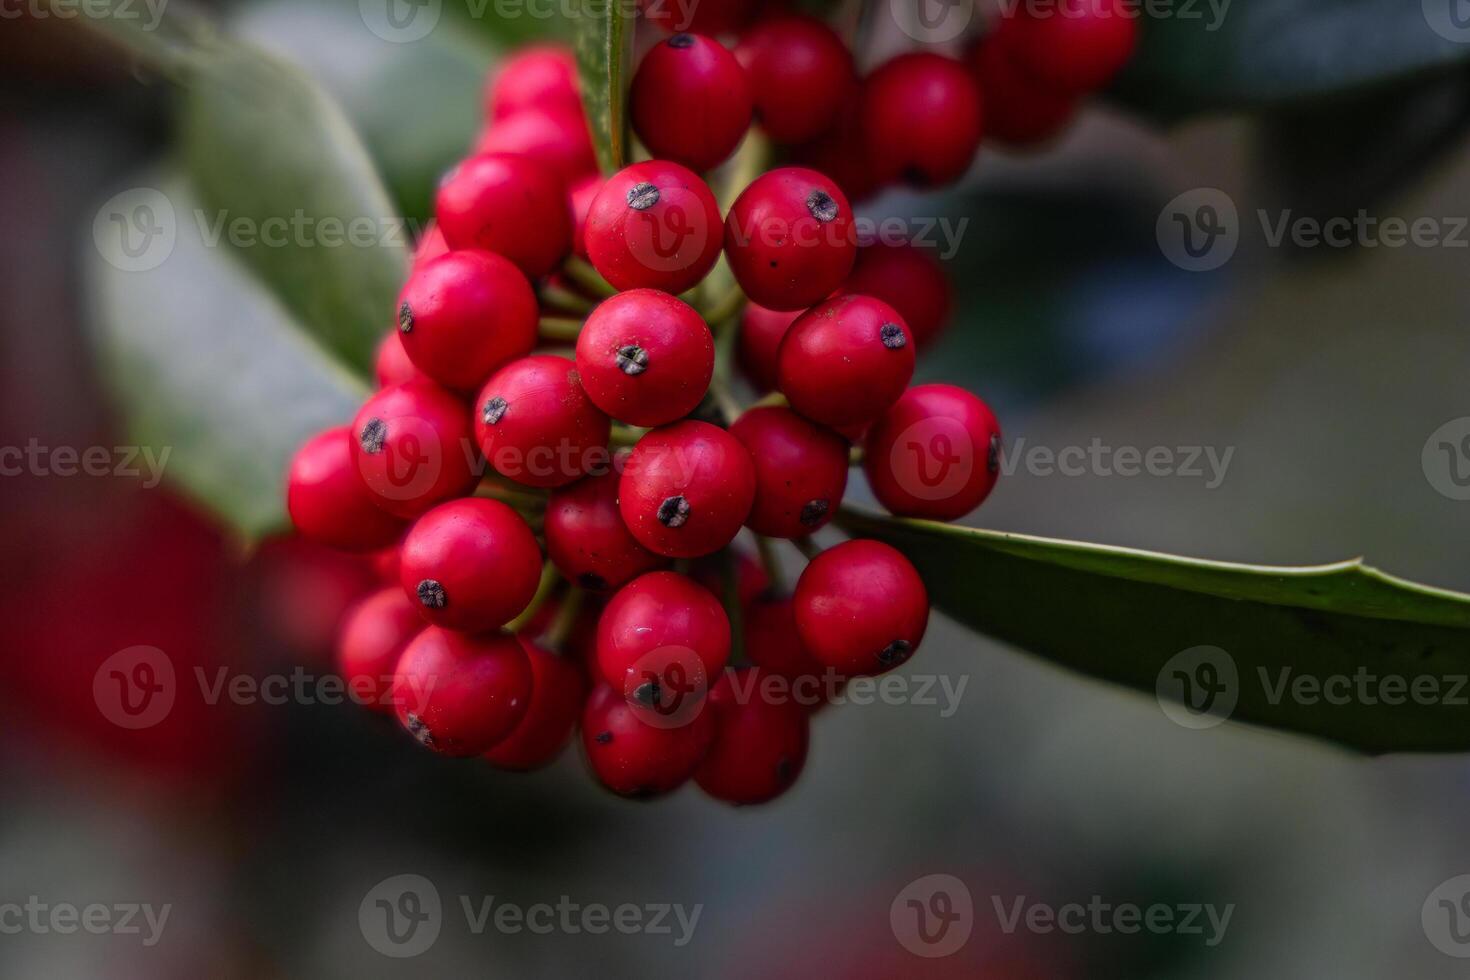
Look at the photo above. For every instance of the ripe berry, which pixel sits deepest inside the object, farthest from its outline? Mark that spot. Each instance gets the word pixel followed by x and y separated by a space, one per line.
pixel 557 140
pixel 1076 49
pixel 921 117
pixel 581 195
pixel 907 278
pixel 705 16
pixel 369 642
pixel 844 362
pixel 760 741
pixel 772 644
pixel 634 758
pixel 686 489
pixel 935 453
pixel 761 331
pixel 690 101
pixel 470 565
pixel 800 471
pixel 861 608
pixel 665 630
pixel 800 75
pixel 536 425
pixel 645 357
pixel 1019 111
pixel 541 76
pixel 789 238
pixel 464 314
pixel 326 498
pixel 751 580
pixel 391 366
pixel 509 205
pixel 557 691
pixel 459 694
pixel 654 225
pixel 586 538
pixel 412 447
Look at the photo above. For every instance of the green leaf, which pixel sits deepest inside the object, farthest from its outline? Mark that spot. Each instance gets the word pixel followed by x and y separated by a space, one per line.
pixel 207 364
pixel 283 176
pixel 1122 615
pixel 604 42
pixel 1258 55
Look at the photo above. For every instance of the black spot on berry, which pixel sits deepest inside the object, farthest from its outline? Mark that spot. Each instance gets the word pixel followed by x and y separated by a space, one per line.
pixel 649 693
pixel 405 318
pixel 642 196
pixel 494 410
pixel 602 738
pixel 992 459
pixel 895 653
pixel 372 436
pixel 593 581
pixel 892 336
pixel 916 177
pixel 822 206
pixel 681 41
pixel 431 594
pixel 673 512
pixel 813 511
pixel 419 730
pixel 632 360
pixel 783 770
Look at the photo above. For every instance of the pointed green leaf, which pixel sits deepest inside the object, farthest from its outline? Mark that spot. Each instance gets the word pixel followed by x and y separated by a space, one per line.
pixel 604 40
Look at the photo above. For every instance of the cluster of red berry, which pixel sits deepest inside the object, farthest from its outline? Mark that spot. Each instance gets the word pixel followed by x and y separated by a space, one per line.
pixel 626 460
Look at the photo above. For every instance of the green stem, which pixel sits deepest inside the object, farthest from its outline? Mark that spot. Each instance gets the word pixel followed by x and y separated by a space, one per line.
pixel 559 327
pixel 727 308
pixel 767 550
pixel 565 618
pixel 730 573
pixel 626 435
pixel 493 489
pixel 560 298
pixel 580 271
pixel 807 546
pixel 544 588
pixel 856 455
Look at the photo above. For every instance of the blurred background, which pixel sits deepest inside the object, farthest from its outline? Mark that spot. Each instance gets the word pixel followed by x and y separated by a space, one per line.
pixel 263 828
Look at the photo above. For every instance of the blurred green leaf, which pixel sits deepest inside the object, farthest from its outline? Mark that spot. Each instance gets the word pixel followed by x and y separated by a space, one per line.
pixel 1121 615
pixel 282 174
pixel 604 40
pixel 203 360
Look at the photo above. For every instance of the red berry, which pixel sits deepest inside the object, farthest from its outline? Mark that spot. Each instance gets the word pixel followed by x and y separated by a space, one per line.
pixel 510 205
pixel 326 498
pixel 654 225
pixel 392 366
pixel 645 357
pixel 413 447
pixel 536 425
pixel 907 278
pixel 935 453
pixel 634 758
pixel 789 238
pixel 861 608
pixel 833 154
pixel 800 471
pixel 385 564
pixel 1074 47
pixel 845 361
pixel 751 580
pixel 470 565
pixel 801 75
pixel 772 644
pixel 459 694
pixel 760 741
pixel 1019 111
pixel 690 101
pixel 921 118
pixel 705 16
pixel 557 691
pixel 582 194
pixel 430 246
pixel 464 314
pixel 542 76
pixel 761 331
pixel 657 620
pixel 686 489
pixel 369 642
pixel 557 140
pixel 586 538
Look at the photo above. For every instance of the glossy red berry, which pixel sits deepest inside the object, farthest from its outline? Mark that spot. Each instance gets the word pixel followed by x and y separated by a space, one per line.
pixel 935 453
pixel 542 76
pixel 508 204
pixel 751 579
pixel 690 101
pixel 581 194
pixel 771 643
pixel 845 361
pixel 801 75
pixel 861 608
pixel 1075 46
pixel 391 365
pixel 800 471
pixel 586 538
pixel 705 16
pixel 909 279
pixel 556 140
pixel 413 447
pixel 921 119
pixel 557 693
pixel 634 758
pixel 789 238
pixel 761 331
pixel 536 425
pixel 370 640
pixel 1019 111
pixel 458 693
pixel 327 500
pixel 645 357
pixel 654 225
pixel 464 314
pixel 662 641
pixel 760 740
pixel 686 489
pixel 470 565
